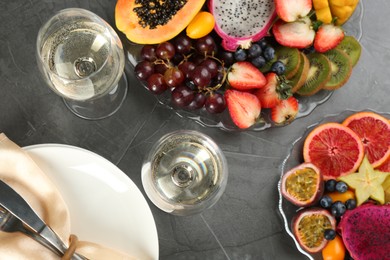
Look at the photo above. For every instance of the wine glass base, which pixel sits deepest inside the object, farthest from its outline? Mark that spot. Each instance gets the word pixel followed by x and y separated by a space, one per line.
pixel 102 107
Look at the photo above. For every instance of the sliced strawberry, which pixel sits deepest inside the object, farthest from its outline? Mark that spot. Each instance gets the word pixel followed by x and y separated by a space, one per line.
pixel 285 111
pixel 291 10
pixel 274 91
pixel 244 107
pixel 298 34
pixel 244 76
pixel 328 37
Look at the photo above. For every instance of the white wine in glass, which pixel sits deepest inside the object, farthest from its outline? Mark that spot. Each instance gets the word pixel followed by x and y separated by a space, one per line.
pixel 81 58
pixel 184 173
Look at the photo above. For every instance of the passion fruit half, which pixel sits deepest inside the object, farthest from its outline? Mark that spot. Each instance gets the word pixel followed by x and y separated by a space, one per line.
pixel 309 226
pixel 303 185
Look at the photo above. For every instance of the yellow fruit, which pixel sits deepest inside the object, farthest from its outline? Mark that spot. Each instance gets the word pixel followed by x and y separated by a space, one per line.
pixel 342 9
pixel 367 183
pixel 320 4
pixel 202 24
pixel 324 15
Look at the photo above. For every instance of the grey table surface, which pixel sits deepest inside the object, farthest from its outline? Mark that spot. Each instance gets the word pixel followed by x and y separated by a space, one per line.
pixel 245 223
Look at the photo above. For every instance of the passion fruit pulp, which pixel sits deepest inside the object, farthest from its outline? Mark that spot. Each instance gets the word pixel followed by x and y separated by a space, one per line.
pixel 303 185
pixel 309 226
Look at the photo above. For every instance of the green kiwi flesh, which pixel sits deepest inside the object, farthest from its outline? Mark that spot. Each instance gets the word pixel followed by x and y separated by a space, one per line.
pixel 300 76
pixel 351 47
pixel 290 58
pixel 319 73
pixel 341 69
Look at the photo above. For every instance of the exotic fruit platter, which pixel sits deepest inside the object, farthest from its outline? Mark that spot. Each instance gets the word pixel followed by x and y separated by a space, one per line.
pixel 335 188
pixel 241 65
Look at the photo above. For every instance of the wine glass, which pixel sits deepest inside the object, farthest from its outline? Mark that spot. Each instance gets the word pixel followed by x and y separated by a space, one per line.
pixel 81 58
pixel 184 173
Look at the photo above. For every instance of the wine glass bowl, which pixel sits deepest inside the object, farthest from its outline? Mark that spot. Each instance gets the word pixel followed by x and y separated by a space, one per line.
pixel 81 59
pixel 184 173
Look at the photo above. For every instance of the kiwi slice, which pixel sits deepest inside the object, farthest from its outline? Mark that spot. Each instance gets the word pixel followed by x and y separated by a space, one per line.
pixel 300 76
pixel 289 56
pixel 341 69
pixel 351 47
pixel 319 74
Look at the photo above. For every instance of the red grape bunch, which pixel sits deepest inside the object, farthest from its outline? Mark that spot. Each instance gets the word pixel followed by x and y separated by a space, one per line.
pixel 192 70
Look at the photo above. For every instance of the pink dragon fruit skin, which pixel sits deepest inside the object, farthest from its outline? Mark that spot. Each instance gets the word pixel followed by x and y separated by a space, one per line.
pixel 366 232
pixel 239 23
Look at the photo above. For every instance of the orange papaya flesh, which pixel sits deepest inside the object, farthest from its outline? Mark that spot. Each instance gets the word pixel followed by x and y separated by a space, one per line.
pixel 135 29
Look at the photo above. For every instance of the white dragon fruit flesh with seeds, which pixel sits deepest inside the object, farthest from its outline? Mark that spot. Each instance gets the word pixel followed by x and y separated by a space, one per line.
pixel 240 22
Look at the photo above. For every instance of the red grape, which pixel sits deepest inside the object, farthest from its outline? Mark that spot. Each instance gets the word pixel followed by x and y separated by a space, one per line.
pixel 198 101
pixel 148 52
pixel 212 66
pixel 215 103
pixel 186 67
pixel 156 84
pixel 165 51
pixel 206 45
pixel 182 44
pixel 144 69
pixel 182 96
pixel 201 76
pixel 173 77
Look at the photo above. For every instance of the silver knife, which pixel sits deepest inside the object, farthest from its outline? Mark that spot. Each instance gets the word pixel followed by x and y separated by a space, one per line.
pixel 16 205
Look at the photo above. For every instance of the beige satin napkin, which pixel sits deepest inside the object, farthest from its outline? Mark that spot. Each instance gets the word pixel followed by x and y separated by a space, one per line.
pixel 20 172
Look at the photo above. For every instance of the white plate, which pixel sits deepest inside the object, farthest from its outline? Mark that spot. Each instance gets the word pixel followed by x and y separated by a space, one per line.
pixel 105 206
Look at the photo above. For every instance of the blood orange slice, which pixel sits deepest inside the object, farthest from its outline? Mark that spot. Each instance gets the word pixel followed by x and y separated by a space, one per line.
pixel 374 131
pixel 384 167
pixel 335 149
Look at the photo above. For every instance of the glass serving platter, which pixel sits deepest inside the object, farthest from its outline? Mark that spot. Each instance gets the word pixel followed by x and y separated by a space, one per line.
pixel 293 158
pixel 223 121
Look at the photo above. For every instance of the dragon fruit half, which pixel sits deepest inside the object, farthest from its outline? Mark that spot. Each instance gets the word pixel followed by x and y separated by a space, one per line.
pixel 239 23
pixel 366 231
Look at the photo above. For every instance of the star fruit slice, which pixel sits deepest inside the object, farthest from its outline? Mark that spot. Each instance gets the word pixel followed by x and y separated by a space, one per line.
pixel 367 183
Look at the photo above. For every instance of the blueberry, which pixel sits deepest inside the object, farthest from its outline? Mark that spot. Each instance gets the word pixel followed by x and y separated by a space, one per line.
pixel 329 234
pixel 341 187
pixel 254 51
pixel 240 55
pixel 330 185
pixel 269 53
pixel 263 44
pixel 258 62
pixel 278 67
pixel 338 209
pixel 309 50
pixel 326 201
pixel 350 204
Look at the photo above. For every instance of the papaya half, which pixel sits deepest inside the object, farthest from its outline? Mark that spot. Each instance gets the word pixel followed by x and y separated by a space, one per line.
pixel 154 21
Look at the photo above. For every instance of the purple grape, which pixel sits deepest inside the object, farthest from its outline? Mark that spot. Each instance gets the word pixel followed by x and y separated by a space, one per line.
pixel 165 51
pixel 160 68
pixel 182 96
pixel 156 84
pixel 173 77
pixel 148 52
pixel 211 65
pixel 201 76
pixel 215 103
pixel 144 69
pixel 206 45
pixel 198 102
pixel 186 67
pixel 183 44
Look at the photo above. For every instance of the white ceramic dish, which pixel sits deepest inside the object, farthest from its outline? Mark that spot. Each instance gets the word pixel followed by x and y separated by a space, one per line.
pixel 105 206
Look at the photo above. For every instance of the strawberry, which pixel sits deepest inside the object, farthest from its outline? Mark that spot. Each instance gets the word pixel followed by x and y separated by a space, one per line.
pixel 285 111
pixel 274 91
pixel 292 10
pixel 244 76
pixel 298 34
pixel 244 107
pixel 328 37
